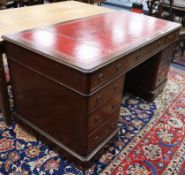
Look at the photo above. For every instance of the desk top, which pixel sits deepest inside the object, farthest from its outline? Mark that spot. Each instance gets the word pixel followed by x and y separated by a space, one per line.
pixel 89 43
pixel 18 19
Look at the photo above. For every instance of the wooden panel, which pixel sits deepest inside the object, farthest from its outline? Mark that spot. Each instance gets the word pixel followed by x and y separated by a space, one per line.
pixel 41 102
pixel 48 68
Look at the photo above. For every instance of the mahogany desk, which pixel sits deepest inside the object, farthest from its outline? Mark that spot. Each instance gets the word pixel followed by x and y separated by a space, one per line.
pixel 68 78
pixel 18 19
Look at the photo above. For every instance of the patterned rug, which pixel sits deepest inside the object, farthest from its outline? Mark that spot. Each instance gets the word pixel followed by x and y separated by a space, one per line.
pixel 151 140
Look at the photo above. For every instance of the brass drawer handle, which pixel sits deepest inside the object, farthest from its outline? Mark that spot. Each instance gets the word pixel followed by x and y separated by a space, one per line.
pixel 116 87
pixel 138 55
pixel 100 77
pixel 99 99
pixel 118 67
pixel 98 119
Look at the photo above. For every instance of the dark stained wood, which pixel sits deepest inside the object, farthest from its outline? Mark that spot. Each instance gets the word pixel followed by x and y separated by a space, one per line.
pixel 69 88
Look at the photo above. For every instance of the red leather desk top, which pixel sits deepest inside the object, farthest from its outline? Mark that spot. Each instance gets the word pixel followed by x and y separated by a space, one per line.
pixel 91 42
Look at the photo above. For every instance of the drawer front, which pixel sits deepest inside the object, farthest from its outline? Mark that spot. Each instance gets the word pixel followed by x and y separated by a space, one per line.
pixel 107 73
pixel 148 50
pixel 98 117
pixel 125 63
pixel 103 131
pixel 173 37
pixel 105 94
pixel 162 76
pixel 165 59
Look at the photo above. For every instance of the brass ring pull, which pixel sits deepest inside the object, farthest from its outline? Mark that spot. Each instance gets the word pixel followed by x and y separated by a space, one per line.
pixel 116 87
pixel 99 98
pixel 98 119
pixel 118 67
pixel 100 77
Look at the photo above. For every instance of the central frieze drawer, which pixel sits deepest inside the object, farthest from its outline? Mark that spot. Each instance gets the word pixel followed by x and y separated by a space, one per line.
pixel 125 63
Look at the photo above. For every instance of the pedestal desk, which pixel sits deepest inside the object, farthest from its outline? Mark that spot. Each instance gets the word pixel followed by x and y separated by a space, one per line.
pixel 67 78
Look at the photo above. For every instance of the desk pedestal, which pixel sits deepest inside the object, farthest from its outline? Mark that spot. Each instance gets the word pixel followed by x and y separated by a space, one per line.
pixel 148 79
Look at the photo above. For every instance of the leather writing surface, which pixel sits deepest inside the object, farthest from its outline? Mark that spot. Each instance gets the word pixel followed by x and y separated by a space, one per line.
pixel 89 42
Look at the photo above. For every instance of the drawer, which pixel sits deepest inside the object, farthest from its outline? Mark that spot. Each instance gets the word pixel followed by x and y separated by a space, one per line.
pixel 105 94
pixel 150 49
pixel 173 37
pixel 146 52
pixel 98 117
pixel 162 76
pixel 125 63
pixel 107 73
pixel 103 131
